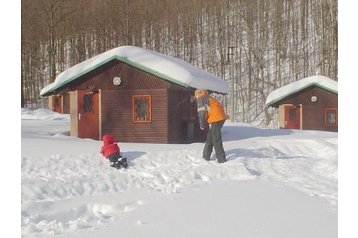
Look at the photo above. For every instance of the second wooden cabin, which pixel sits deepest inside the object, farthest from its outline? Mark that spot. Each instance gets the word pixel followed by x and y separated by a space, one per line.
pixel 309 104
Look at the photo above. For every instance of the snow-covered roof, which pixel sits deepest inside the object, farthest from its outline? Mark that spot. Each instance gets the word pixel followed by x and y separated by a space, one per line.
pixel 163 66
pixel 317 80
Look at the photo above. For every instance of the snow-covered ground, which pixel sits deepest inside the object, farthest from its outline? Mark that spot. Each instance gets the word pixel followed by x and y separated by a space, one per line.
pixel 276 183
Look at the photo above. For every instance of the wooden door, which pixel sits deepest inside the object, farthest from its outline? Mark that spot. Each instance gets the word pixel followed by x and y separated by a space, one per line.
pixel 292 114
pixel 88 114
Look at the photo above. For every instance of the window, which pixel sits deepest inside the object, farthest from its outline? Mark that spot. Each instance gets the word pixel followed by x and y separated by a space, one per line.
pixel 331 117
pixel 292 114
pixel 142 107
pixel 87 102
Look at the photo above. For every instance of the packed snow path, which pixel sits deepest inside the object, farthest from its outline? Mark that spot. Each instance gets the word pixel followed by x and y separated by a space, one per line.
pixel 67 185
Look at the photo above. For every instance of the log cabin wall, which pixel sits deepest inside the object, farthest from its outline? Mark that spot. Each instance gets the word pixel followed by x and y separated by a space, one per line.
pixel 117 104
pixel 66 103
pixel 117 116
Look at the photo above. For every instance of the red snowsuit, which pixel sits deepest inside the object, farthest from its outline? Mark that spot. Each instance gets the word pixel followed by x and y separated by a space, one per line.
pixel 109 146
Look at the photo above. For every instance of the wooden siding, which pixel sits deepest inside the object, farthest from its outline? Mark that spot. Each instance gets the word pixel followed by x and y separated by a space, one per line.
pixel 66 103
pixel 117 116
pixel 132 78
pixel 313 112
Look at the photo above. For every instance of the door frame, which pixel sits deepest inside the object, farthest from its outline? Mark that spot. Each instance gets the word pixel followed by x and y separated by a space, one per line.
pixel 75 113
pixel 282 115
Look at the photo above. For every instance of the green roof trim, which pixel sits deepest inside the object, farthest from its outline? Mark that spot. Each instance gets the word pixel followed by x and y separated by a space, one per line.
pixel 64 82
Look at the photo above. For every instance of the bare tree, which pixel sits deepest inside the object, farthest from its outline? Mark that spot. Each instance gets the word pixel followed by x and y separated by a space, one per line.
pixel 275 42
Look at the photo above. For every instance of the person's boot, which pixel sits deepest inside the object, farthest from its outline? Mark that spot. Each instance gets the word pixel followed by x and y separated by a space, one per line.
pixel 222 161
pixel 117 164
pixel 123 162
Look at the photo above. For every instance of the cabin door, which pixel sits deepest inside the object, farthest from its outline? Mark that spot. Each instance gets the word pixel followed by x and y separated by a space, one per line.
pixel 88 114
pixel 292 116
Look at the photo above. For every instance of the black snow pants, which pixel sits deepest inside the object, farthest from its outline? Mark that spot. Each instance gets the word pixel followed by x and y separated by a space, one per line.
pixel 214 140
pixel 117 161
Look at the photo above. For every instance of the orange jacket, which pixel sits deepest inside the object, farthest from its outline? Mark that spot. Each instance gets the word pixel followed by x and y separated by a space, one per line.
pixel 209 110
pixel 216 112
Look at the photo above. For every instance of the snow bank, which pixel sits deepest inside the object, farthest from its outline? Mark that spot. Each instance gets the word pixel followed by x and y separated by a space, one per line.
pixel 42 114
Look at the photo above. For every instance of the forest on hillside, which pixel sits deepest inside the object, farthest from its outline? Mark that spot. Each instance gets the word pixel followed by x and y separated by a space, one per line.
pixel 255 45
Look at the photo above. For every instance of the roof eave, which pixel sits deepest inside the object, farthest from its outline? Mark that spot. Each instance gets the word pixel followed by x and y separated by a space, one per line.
pixel 122 59
pixel 70 79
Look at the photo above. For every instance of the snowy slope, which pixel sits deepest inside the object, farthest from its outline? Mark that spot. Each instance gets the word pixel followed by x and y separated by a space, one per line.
pixel 276 183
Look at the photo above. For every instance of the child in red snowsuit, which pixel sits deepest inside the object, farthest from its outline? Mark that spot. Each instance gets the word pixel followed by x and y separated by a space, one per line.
pixel 111 151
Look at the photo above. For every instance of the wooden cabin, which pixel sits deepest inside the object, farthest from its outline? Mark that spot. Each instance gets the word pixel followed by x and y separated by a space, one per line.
pixel 135 94
pixel 308 104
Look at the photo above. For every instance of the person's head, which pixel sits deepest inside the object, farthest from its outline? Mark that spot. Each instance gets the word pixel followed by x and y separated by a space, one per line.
pixel 200 93
pixel 108 139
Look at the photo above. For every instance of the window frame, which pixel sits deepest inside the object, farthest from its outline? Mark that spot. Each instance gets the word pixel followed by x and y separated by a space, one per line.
pixel 148 117
pixel 332 110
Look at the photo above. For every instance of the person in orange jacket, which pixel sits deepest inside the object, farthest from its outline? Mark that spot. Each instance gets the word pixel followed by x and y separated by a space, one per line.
pixel 110 150
pixel 211 114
